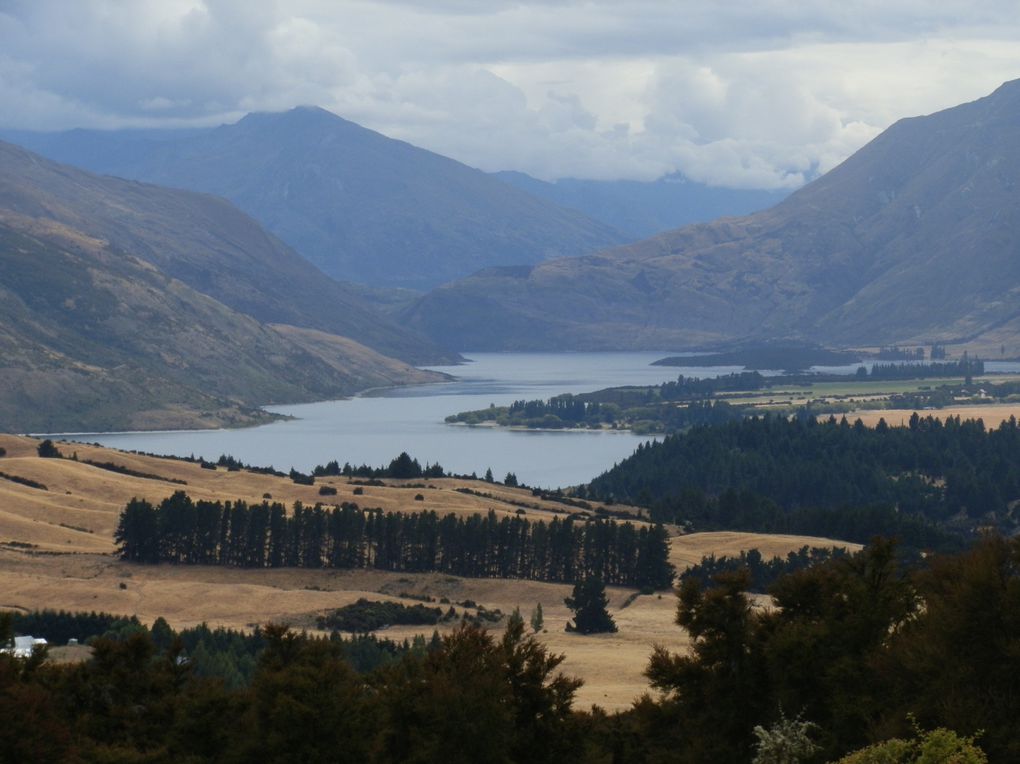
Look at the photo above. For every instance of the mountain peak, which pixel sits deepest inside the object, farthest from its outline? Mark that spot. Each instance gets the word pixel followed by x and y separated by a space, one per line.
pixel 297 116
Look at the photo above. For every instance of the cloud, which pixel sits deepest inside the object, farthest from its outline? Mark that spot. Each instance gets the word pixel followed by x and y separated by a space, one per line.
pixel 760 94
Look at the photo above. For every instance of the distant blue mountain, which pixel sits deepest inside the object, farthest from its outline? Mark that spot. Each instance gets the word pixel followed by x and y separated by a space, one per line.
pixel 641 209
pixel 359 205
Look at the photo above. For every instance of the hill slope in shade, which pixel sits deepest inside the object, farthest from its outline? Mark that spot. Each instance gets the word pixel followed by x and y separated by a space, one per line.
pixel 913 239
pixel 359 205
pixel 205 242
pixel 641 209
pixel 93 337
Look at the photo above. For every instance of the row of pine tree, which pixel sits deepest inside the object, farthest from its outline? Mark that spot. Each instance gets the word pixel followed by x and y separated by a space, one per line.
pixel 180 530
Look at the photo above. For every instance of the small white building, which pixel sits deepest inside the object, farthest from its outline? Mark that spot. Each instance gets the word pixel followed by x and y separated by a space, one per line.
pixel 23 646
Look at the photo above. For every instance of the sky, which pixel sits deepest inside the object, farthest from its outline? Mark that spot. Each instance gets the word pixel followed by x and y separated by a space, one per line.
pixel 755 94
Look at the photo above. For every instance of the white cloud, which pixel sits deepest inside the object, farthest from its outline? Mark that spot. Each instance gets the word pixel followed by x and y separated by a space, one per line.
pixel 759 94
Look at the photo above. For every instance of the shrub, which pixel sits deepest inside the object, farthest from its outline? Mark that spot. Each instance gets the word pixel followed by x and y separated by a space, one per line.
pixel 365 615
pixel 47 450
pixel 939 746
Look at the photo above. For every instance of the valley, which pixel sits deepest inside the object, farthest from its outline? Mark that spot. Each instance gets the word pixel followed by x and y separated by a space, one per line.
pixel 56 551
pixel 607 401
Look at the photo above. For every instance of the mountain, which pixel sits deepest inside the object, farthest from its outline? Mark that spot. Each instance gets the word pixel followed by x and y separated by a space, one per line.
pixel 913 239
pixel 641 209
pixel 208 244
pixel 100 328
pixel 360 206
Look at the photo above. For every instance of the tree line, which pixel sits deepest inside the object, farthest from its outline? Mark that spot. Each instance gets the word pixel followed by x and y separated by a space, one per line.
pixel 954 474
pixel 180 530
pixel 965 367
pixel 226 655
pixel 761 572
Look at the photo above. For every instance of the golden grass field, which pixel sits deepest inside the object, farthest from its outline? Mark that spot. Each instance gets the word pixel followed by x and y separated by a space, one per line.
pixel 993 414
pixel 57 551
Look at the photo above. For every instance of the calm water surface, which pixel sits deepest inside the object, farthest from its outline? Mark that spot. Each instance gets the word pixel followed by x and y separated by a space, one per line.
pixel 374 428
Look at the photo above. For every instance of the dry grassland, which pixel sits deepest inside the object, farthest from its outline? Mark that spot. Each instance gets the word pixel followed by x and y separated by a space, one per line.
pixel 71 565
pixel 993 414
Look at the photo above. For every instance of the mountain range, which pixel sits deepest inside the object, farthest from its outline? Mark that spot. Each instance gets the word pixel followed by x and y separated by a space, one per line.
pixel 913 239
pixel 360 206
pixel 639 209
pixel 126 305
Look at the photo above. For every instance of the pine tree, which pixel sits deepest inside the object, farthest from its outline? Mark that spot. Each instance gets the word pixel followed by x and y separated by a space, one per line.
pixel 537 619
pixel 589 602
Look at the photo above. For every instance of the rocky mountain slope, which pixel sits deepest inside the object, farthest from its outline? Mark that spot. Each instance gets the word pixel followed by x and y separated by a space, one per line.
pixel 912 239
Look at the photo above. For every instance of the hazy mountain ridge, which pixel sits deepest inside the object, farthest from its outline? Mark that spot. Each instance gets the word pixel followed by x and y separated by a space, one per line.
pixel 641 209
pixel 912 239
pixel 360 206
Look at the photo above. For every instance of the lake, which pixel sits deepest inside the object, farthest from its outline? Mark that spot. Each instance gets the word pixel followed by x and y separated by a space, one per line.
pixel 375 427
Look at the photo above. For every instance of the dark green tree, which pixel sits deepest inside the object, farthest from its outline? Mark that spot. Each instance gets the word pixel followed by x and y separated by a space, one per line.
pixel 404 467
pixel 717 689
pixel 47 450
pixel 589 601
pixel 138 533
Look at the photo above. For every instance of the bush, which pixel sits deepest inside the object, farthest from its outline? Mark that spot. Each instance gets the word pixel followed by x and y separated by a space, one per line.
pixel 301 479
pixel 788 741
pixel 365 615
pixel 47 450
pixel 327 490
pixel 940 746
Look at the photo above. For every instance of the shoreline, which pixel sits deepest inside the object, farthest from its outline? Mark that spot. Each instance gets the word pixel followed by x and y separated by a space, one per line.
pixel 273 417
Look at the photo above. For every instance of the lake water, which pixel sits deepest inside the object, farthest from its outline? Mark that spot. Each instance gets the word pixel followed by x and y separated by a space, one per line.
pixel 374 428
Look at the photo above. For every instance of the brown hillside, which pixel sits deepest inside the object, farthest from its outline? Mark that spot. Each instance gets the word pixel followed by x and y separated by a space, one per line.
pixel 93 338
pixel 70 564
pixel 204 242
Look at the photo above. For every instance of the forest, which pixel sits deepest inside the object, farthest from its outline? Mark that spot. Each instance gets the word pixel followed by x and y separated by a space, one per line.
pixel 860 655
pixel 182 531
pixel 955 476
pixel 761 572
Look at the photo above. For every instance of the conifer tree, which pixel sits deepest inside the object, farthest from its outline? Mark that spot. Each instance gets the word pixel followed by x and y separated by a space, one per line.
pixel 589 602
pixel 537 619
